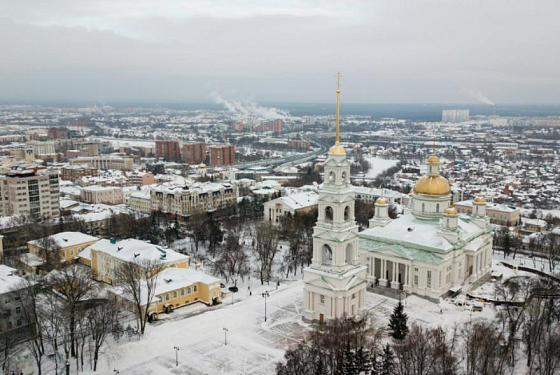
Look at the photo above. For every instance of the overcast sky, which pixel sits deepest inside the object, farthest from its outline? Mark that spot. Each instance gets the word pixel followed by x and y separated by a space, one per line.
pixel 502 51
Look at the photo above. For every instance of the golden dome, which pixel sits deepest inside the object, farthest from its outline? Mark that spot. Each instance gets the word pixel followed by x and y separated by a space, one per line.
pixel 480 200
pixel 450 211
pixel 433 159
pixel 381 200
pixel 337 150
pixel 432 185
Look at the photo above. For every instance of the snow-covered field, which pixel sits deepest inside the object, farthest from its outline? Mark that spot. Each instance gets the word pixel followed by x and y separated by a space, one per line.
pixel 378 166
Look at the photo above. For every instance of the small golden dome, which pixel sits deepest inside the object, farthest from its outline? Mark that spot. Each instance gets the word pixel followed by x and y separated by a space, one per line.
pixel 433 159
pixel 381 200
pixel 450 211
pixel 480 200
pixel 337 150
pixel 432 185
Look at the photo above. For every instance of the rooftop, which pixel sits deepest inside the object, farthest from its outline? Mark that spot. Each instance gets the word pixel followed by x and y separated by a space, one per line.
pixel 66 239
pixel 130 249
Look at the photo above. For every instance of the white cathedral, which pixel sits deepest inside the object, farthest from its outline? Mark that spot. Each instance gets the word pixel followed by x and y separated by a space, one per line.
pixel 429 251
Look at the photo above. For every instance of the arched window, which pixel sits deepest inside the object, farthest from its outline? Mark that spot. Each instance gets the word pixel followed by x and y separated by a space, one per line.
pixel 326 254
pixel 331 177
pixel 437 207
pixel 347 213
pixel 329 214
pixel 195 288
pixel 343 177
pixel 348 254
pixel 423 207
pixel 175 294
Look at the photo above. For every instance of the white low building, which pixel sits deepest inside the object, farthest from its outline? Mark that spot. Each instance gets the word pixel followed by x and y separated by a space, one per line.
pixel 303 202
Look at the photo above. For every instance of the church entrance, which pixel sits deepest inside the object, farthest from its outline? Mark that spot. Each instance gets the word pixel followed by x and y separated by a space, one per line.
pixel 321 319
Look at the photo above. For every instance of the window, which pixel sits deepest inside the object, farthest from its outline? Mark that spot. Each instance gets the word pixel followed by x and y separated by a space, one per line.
pixel 183 291
pixel 18 310
pixel 167 297
pixel 437 207
pixel 353 295
pixel 189 290
pixel 175 294
pixel 328 214
pixel 18 322
pixel 195 288
pixel 429 280
pixel 160 300
pixel 346 213
pixel 322 300
pixel 423 207
pixel 416 280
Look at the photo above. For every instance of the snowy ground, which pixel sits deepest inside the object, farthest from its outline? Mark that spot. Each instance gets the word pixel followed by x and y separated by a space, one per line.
pixel 378 166
pixel 253 345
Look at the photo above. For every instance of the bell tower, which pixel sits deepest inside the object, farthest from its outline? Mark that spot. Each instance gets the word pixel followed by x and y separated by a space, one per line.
pixel 335 283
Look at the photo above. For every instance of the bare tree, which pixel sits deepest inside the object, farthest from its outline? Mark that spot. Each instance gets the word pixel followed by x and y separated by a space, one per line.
pixel 101 320
pixel 138 280
pixel 75 284
pixel 265 250
pixel 232 260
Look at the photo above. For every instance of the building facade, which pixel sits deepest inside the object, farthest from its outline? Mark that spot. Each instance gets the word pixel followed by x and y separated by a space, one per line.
pixel 169 151
pixel 499 214
pixel 77 171
pixel 335 283
pixel 222 154
pixel 276 209
pixel 194 153
pixel 105 162
pixel 430 250
pixel 32 192
pixel 102 194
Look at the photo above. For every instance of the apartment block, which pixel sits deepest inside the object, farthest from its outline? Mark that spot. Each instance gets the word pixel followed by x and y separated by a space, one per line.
pixel 121 163
pixel 194 153
pixel 222 154
pixel 169 151
pixel 77 171
pixel 32 192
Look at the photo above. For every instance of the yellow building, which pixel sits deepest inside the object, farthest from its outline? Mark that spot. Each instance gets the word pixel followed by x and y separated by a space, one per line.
pixel 108 255
pixel 177 287
pixel 67 245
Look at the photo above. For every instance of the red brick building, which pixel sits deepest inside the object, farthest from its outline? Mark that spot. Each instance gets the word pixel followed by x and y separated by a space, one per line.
pixel 276 126
pixel 75 172
pixel 58 133
pixel 194 153
pixel 222 154
pixel 169 151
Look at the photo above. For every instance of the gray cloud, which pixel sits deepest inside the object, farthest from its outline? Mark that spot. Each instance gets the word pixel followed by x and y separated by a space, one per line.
pixel 398 51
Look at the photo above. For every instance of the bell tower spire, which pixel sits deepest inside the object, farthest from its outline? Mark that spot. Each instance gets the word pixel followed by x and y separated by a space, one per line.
pixel 337 149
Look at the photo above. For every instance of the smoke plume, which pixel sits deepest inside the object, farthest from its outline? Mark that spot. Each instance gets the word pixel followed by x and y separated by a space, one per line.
pixel 481 98
pixel 246 108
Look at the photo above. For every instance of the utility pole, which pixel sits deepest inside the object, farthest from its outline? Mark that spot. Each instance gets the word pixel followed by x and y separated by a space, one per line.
pixel 176 355
pixel 265 295
pixel 225 335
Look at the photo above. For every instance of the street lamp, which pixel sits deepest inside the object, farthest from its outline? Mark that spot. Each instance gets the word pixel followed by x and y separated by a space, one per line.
pixel 265 295
pixel 176 355
pixel 225 335
pixel 67 367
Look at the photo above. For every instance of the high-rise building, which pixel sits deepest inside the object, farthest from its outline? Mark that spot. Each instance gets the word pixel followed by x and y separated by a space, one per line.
pixel 222 154
pixel 276 126
pixel 32 192
pixel 194 153
pixel 455 115
pixel 170 151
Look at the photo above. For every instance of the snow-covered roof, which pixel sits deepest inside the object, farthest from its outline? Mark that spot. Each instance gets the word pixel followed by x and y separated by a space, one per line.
pixel 299 200
pixel 9 279
pixel 411 232
pixel 489 206
pixel 66 239
pixel 130 249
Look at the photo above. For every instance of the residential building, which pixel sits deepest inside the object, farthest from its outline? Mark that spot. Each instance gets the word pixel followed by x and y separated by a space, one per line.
pixel 58 133
pixel 455 115
pixel 140 178
pixel 169 151
pixel 222 154
pixel 105 162
pixel 194 153
pixel 13 325
pixel 42 148
pixel 499 214
pixel 187 200
pixel 140 201
pixel 32 192
pixel 176 287
pixel 276 209
pixel 370 195
pixel 529 226
pixel 63 246
pixel 108 255
pixel 74 172
pixel 102 194
pixel 276 126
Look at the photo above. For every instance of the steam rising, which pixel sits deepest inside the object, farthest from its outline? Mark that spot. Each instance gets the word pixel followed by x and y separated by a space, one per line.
pixel 481 98
pixel 246 108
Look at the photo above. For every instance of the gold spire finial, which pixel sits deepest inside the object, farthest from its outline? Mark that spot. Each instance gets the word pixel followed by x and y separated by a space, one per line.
pixel 434 147
pixel 338 75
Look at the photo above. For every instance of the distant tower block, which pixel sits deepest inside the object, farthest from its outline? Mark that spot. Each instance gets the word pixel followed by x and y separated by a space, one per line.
pixel 335 283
